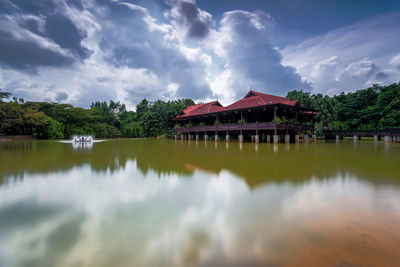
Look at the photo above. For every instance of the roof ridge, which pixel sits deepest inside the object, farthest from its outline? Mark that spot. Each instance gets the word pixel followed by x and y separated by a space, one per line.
pixel 270 95
pixel 256 99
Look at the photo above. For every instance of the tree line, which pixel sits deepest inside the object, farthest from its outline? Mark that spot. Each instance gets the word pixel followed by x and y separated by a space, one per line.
pixel 376 107
pixel 102 119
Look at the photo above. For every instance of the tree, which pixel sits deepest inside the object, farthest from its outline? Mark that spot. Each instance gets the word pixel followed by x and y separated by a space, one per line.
pixel 132 129
pixel 327 107
pixel 50 129
pixel 303 97
pixel 4 95
pixel 142 108
pixel 370 108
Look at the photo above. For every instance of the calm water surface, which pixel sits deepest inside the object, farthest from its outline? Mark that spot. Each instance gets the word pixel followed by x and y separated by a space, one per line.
pixel 165 203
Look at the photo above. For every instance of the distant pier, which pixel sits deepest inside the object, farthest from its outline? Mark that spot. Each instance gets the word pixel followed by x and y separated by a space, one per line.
pixel 389 135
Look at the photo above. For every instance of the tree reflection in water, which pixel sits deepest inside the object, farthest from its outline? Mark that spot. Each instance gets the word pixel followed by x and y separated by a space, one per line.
pixel 158 202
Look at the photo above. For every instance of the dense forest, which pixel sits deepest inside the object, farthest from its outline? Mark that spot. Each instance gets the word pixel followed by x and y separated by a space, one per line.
pixel 371 108
pixel 377 107
pixel 102 119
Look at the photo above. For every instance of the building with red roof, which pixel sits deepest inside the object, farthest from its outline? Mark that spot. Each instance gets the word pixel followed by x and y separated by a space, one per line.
pixel 255 99
pixel 255 112
pixel 200 109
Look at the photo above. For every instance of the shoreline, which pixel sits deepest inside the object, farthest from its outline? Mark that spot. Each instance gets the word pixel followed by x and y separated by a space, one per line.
pixel 6 138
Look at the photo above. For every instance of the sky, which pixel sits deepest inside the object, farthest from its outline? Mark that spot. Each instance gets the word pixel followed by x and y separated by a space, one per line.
pixel 82 51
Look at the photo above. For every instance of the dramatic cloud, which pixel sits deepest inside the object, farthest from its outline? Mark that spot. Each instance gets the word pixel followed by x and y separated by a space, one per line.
pixel 38 34
pixel 350 58
pixel 83 51
pixel 153 47
pixel 196 22
pixel 22 49
pixel 131 56
pixel 243 42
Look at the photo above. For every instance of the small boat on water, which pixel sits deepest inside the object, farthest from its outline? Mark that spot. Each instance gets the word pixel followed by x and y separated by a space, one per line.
pixel 82 139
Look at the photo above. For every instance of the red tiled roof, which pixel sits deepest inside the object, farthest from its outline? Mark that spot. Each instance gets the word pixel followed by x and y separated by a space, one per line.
pixel 199 109
pixel 251 99
pixel 254 99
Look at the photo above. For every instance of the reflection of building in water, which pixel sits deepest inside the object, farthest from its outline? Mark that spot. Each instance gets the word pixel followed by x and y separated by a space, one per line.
pixel 82 145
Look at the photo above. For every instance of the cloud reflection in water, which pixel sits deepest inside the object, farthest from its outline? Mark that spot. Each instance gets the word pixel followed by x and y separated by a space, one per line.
pixel 128 217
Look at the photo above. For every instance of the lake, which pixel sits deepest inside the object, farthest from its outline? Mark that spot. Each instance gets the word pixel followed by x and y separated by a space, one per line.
pixel 140 202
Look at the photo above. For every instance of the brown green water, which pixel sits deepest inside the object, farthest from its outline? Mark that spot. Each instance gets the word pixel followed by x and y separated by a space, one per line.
pixel 165 203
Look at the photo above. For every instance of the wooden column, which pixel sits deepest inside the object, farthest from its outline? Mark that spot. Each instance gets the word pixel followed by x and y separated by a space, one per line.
pixel 313 122
pixel 275 130
pixel 256 127
pixel 227 137
pixel 241 122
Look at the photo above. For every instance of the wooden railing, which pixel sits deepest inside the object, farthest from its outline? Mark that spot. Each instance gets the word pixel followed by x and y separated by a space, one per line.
pixel 380 132
pixel 244 126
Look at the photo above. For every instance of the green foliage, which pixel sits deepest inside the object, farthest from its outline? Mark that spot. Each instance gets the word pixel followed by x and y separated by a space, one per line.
pixel 217 122
pixel 104 130
pixel 188 125
pixel 202 124
pixel 154 117
pixel 71 130
pixel 372 108
pixel 241 121
pixel 169 133
pixel 110 113
pixel 4 95
pixel 304 98
pixel 102 119
pixel 132 129
pixel 278 120
pixel 50 129
pixel 142 108
pixel 19 119
pixel 338 125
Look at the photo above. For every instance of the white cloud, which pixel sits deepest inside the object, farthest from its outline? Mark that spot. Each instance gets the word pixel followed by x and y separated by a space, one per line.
pixel 121 51
pixel 243 43
pixel 395 61
pixel 132 56
pixel 349 58
pixel 147 218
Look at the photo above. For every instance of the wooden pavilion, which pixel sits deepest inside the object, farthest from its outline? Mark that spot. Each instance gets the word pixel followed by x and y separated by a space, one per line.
pixel 256 114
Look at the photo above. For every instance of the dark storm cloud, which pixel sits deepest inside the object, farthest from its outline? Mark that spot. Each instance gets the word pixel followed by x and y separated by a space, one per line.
pixel 28 52
pixel 38 33
pixel 63 32
pixel 197 22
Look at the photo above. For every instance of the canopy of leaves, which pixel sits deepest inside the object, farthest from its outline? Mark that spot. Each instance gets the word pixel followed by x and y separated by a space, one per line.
pixel 376 107
pixel 4 95
pixel 102 119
